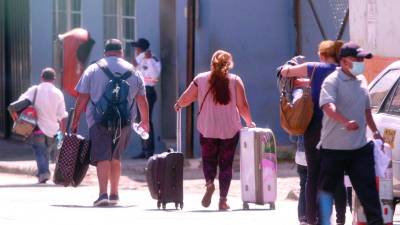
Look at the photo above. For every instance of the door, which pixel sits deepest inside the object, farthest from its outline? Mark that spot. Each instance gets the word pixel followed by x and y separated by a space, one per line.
pixel 14 55
pixel 3 96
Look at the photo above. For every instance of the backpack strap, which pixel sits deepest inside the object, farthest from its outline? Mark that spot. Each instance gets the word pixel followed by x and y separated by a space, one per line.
pixel 126 75
pixel 105 69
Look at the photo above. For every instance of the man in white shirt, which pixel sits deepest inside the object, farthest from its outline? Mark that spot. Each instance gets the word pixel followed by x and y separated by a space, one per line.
pixel 150 68
pixel 50 107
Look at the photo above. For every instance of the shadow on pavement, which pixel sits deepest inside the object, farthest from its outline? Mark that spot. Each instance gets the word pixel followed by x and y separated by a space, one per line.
pixel 27 185
pixel 207 211
pixel 94 207
pixel 163 210
pixel 254 210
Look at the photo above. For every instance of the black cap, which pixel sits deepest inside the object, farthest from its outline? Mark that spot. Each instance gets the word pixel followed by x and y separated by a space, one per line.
pixel 113 45
pixel 354 50
pixel 142 43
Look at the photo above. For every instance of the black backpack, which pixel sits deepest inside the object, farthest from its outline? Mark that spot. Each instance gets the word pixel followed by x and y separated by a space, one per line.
pixel 113 110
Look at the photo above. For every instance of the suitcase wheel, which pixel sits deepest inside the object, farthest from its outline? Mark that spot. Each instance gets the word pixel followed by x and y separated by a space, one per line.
pixel 246 206
pixel 272 205
pixel 158 204
pixel 164 206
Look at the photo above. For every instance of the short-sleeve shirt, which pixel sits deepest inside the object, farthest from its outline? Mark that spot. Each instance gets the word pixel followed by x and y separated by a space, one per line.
pixel 50 106
pixel 216 120
pixel 149 68
pixel 94 81
pixel 351 98
pixel 322 70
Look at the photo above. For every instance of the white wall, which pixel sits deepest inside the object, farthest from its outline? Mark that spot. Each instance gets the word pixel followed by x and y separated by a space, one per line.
pixel 375 25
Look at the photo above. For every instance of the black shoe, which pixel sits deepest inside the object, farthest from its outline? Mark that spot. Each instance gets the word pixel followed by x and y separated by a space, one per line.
pixel 101 201
pixel 148 155
pixel 140 156
pixel 113 200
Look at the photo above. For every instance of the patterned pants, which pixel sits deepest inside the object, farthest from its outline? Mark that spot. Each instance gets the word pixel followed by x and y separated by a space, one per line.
pixel 218 153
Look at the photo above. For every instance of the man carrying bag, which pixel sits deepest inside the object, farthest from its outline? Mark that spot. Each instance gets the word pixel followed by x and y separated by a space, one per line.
pixel 47 102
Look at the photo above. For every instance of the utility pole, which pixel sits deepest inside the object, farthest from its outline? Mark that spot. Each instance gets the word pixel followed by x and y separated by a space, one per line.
pixel 190 60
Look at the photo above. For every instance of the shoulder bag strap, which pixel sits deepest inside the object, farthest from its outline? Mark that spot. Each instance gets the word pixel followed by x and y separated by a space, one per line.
pixel 312 74
pixel 34 96
pixel 204 99
pixel 235 89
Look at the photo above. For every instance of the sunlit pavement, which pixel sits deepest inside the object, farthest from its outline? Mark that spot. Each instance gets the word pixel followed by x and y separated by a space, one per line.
pixel 24 202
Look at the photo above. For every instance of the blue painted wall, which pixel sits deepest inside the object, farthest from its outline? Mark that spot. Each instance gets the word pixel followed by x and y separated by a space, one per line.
pixel 148 26
pixel 41 37
pixel 260 35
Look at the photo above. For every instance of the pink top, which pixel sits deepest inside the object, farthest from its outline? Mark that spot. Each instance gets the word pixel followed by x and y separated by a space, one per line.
pixel 215 120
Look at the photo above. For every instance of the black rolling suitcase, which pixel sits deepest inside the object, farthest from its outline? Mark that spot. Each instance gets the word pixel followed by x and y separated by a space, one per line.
pixel 164 174
pixel 74 157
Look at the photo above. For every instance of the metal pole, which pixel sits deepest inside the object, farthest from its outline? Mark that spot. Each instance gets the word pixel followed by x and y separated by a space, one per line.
pixel 297 21
pixel 191 22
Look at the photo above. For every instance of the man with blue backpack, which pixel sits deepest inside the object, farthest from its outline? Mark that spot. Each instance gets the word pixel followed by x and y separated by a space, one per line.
pixel 109 91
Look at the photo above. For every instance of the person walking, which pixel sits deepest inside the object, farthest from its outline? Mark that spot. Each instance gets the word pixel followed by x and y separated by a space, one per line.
pixel 150 67
pixel 344 147
pixel 110 138
pixel 315 73
pixel 49 103
pixel 222 100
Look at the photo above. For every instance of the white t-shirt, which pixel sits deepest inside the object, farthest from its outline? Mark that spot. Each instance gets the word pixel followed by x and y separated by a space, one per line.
pixel 50 106
pixel 150 69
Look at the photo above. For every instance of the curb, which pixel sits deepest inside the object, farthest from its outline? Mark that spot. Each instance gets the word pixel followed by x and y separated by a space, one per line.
pixel 20 170
pixel 132 166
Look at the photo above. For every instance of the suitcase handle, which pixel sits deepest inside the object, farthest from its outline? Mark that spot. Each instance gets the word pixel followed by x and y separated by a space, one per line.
pixel 179 131
pixel 71 114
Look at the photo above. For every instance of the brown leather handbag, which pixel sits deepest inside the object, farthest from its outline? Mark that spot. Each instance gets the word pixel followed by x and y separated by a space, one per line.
pixel 295 117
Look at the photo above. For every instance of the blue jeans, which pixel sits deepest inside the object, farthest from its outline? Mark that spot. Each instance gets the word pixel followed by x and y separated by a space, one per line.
pixel 301 207
pixel 41 144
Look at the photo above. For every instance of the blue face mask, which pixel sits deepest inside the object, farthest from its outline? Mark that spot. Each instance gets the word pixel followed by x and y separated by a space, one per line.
pixel 358 68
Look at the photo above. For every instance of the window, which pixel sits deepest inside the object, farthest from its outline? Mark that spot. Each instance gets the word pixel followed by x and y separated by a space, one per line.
pixel 119 21
pixel 382 87
pixel 392 104
pixel 67 14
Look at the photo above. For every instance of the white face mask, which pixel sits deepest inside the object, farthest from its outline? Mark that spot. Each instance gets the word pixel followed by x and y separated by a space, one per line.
pixel 358 68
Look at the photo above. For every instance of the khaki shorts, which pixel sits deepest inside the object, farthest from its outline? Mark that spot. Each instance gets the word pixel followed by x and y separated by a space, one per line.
pixel 102 147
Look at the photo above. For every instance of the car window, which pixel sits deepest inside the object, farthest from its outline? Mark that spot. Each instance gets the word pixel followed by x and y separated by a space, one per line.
pixel 392 105
pixel 382 87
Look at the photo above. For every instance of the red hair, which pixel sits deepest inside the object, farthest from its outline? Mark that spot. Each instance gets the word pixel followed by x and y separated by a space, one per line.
pixel 221 63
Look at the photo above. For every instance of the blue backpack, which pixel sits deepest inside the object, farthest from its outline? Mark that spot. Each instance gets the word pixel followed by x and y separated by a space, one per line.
pixel 113 110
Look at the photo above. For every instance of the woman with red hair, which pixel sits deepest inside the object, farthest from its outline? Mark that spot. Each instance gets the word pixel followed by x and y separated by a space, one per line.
pixel 222 100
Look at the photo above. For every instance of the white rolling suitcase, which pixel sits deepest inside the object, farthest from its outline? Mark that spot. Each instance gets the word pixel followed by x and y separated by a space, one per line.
pixel 258 167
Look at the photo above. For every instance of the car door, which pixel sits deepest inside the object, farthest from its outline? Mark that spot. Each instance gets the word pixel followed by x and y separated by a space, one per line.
pixel 385 101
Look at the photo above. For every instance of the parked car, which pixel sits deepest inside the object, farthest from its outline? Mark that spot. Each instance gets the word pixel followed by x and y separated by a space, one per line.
pixel 385 100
